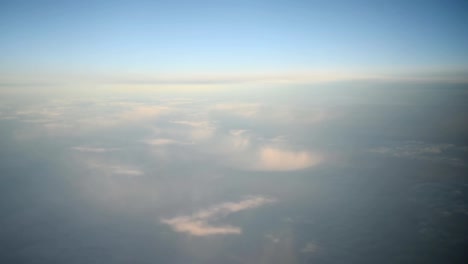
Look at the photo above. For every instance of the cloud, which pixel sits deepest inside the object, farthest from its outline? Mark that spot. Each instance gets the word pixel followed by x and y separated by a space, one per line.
pixel 310 248
pixel 276 114
pixel 143 112
pixel 116 169
pixel 199 228
pixel 239 140
pixel 198 224
pixel 198 130
pixel 163 142
pixel 242 149
pixel 126 171
pixel 93 149
pixel 201 81
pixel 440 153
pixel 273 238
pixel 79 116
pixel 275 159
pixel 115 116
pixel 240 109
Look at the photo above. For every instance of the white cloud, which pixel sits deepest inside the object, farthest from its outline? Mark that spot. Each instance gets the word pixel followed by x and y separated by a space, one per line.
pixel 198 130
pixel 199 228
pixel 116 169
pixel 126 171
pixel 93 149
pixel 198 224
pixel 239 139
pixel 143 112
pixel 240 109
pixel 275 159
pixel 76 117
pixel 279 114
pixel 163 142
pixel 241 149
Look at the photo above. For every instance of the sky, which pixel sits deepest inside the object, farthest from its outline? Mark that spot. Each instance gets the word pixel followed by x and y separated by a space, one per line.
pixel 143 40
pixel 238 132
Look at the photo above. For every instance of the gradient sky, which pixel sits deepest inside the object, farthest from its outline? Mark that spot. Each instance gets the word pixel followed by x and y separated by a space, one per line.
pixel 62 38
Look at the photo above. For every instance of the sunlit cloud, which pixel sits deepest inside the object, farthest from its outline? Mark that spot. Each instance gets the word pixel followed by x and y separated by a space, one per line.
pixel 275 114
pixel 246 151
pixel 198 130
pixel 67 118
pixel 163 142
pixel 143 112
pixel 239 139
pixel 199 223
pixel 241 109
pixel 275 159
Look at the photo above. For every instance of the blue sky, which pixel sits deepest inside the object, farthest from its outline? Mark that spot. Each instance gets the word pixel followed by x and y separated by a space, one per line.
pixel 153 38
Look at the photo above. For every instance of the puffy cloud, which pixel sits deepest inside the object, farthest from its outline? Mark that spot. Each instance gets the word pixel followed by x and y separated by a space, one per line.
pixel 275 159
pixel 198 224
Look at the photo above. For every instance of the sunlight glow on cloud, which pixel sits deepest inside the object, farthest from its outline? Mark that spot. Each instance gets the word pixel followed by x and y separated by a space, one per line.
pixel 249 152
pixel 143 112
pixel 274 159
pixel 198 224
pixel 240 109
pixel 198 130
pixel 164 142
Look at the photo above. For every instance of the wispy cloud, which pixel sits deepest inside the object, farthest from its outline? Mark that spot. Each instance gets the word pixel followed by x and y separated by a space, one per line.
pixel 116 169
pixel 163 142
pixel 93 149
pixel 240 109
pixel 198 130
pixel 310 248
pixel 199 223
pixel 277 114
